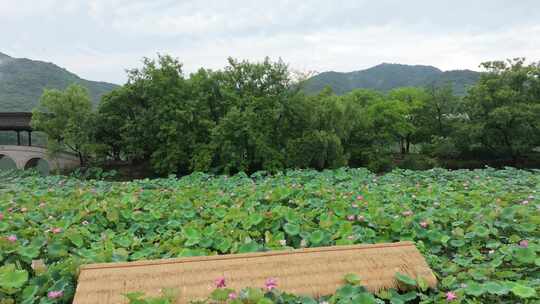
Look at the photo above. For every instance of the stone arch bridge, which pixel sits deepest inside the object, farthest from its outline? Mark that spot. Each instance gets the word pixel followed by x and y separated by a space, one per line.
pixel 26 157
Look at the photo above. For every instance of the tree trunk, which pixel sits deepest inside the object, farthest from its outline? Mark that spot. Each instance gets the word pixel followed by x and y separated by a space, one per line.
pixel 407 149
pixel 439 121
pixel 81 159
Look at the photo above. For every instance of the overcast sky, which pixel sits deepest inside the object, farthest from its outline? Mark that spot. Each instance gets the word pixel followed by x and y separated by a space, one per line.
pixel 99 39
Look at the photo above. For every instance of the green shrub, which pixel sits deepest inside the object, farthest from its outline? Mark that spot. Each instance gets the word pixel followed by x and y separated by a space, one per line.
pixel 442 148
pixel 93 173
pixel 380 163
pixel 417 162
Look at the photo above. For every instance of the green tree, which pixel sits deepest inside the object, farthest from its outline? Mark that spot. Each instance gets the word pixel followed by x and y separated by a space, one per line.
pixel 155 117
pixel 261 105
pixel 408 103
pixel 503 109
pixel 362 141
pixel 441 107
pixel 388 119
pixel 66 118
pixel 321 131
pixel 114 112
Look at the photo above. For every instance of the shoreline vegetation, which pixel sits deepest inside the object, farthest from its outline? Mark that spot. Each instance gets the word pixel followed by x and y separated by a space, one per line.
pixel 255 116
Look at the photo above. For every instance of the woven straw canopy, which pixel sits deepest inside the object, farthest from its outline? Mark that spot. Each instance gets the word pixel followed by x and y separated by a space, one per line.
pixel 313 271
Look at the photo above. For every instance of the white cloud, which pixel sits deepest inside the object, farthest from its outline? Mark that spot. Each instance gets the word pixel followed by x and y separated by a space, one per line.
pixel 24 8
pixel 98 39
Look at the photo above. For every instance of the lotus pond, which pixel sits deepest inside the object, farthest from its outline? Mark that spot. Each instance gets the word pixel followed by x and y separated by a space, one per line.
pixel 478 230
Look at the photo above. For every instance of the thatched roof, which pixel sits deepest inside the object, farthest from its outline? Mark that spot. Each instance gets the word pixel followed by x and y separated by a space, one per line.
pixel 313 271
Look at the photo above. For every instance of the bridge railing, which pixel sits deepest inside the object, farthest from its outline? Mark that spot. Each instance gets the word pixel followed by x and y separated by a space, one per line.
pixel 37 149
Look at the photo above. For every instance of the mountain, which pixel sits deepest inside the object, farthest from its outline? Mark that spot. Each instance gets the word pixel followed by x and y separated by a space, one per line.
pixel 22 82
pixel 387 76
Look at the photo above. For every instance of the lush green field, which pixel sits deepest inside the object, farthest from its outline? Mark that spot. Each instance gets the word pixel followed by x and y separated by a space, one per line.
pixel 477 229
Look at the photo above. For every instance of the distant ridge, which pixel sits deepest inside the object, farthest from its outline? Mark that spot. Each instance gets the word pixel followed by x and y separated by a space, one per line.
pixel 387 76
pixel 22 82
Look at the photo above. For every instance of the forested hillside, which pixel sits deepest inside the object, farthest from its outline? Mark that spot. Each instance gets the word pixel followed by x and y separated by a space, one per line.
pixel 385 77
pixel 22 82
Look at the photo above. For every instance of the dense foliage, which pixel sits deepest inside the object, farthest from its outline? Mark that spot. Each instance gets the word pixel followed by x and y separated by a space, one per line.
pixel 503 109
pixel 253 116
pixel 22 82
pixel 66 117
pixel 478 230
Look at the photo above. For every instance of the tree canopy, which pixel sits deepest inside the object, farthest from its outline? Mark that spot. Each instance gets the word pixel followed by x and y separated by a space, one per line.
pixel 253 116
pixel 503 108
pixel 66 117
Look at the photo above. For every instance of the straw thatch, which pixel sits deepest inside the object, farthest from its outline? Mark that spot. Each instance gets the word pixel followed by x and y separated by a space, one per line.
pixel 313 271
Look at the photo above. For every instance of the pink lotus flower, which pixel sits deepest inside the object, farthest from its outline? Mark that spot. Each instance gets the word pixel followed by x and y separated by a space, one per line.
pixel 360 218
pixel 12 238
pixel 450 296
pixel 56 230
pixel 359 197
pixel 524 243
pixel 10 209
pixel 407 213
pixel 525 202
pixel 270 284
pixel 350 217
pixel 220 282
pixel 424 224
pixel 233 296
pixel 1 216
pixel 55 294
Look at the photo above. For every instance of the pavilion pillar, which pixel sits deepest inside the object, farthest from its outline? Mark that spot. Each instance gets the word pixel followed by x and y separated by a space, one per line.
pixel 29 138
pixel 18 138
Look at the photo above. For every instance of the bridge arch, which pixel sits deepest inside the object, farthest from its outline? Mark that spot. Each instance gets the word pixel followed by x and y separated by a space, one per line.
pixel 40 164
pixel 6 162
pixel 30 156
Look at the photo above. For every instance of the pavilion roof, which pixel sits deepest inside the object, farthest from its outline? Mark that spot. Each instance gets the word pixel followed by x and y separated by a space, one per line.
pixel 15 121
